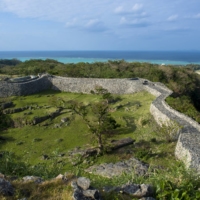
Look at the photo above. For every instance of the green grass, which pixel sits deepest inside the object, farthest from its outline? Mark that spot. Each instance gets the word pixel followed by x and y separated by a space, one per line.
pixel 28 143
pixel 23 140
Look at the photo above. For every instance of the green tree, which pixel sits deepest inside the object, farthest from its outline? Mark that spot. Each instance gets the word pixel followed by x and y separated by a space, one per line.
pixel 101 125
pixel 5 120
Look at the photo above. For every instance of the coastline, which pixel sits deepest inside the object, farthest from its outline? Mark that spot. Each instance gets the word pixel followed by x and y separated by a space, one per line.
pixel 154 57
pixel 92 60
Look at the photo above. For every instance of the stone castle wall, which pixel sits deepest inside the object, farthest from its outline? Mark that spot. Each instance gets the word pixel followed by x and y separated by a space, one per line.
pixel 24 88
pixel 188 145
pixel 85 85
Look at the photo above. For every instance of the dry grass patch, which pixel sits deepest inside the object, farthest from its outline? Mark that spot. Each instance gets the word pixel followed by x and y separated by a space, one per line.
pixel 48 190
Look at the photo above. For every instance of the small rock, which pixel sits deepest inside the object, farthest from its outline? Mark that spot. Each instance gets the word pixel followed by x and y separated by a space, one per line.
pixel 78 195
pixel 6 188
pixel 60 176
pixel 64 119
pixel 91 193
pixel 35 179
pixel 138 191
pixel 83 182
pixel 2 175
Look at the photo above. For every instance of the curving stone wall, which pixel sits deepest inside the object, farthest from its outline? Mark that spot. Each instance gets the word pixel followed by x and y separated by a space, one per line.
pixel 188 145
pixel 24 88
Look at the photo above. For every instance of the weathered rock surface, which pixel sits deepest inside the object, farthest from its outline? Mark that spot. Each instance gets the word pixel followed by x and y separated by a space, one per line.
pixel 110 170
pixel 35 179
pixel 83 182
pixel 137 191
pixel 83 190
pixel 6 188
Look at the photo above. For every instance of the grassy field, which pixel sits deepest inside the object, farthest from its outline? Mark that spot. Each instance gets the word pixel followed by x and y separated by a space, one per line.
pixel 51 137
pixel 31 142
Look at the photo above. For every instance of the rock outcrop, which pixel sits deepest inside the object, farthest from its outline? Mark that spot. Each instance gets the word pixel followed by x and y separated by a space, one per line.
pixel 110 170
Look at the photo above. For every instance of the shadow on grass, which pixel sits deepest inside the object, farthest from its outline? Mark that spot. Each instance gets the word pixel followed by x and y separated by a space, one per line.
pixel 49 92
pixel 6 139
pixel 130 126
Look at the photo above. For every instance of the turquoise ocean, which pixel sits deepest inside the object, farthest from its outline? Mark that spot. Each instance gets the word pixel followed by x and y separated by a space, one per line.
pixel 157 57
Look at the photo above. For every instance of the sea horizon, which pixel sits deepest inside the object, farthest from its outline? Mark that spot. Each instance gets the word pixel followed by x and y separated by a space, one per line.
pixel 156 57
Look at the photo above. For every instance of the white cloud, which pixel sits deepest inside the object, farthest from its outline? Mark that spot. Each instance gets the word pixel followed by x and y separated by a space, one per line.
pixel 172 18
pixel 92 22
pixel 119 9
pixel 72 23
pixel 197 16
pixel 59 10
pixel 134 22
pixel 95 25
pixel 83 15
pixel 137 8
pixel 177 29
pixel 43 9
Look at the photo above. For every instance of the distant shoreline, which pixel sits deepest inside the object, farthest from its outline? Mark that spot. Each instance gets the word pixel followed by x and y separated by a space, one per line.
pixel 155 57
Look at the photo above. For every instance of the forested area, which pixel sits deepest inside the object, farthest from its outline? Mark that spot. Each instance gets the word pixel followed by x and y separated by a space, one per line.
pixel 184 82
pixel 12 62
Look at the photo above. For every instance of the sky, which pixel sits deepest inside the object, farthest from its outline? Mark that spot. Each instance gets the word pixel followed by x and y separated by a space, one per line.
pixel 99 25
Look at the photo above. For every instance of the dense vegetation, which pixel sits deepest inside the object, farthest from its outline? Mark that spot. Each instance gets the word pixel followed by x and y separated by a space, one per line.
pixel 8 62
pixel 182 80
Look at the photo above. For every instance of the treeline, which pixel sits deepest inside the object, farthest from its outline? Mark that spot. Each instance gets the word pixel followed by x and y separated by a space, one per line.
pixel 8 62
pixel 182 80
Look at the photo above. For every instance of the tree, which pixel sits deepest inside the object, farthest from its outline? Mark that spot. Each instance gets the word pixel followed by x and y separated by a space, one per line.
pixel 107 96
pixel 102 125
pixel 5 120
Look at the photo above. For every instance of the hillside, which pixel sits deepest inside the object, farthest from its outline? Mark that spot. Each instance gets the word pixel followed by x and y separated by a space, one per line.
pixel 39 133
pixel 182 80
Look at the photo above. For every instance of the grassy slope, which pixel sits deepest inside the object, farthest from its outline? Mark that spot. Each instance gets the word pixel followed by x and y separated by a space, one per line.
pixel 150 146
pixel 23 142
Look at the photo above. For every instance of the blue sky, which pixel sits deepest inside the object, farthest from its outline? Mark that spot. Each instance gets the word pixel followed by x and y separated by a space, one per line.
pixel 99 25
